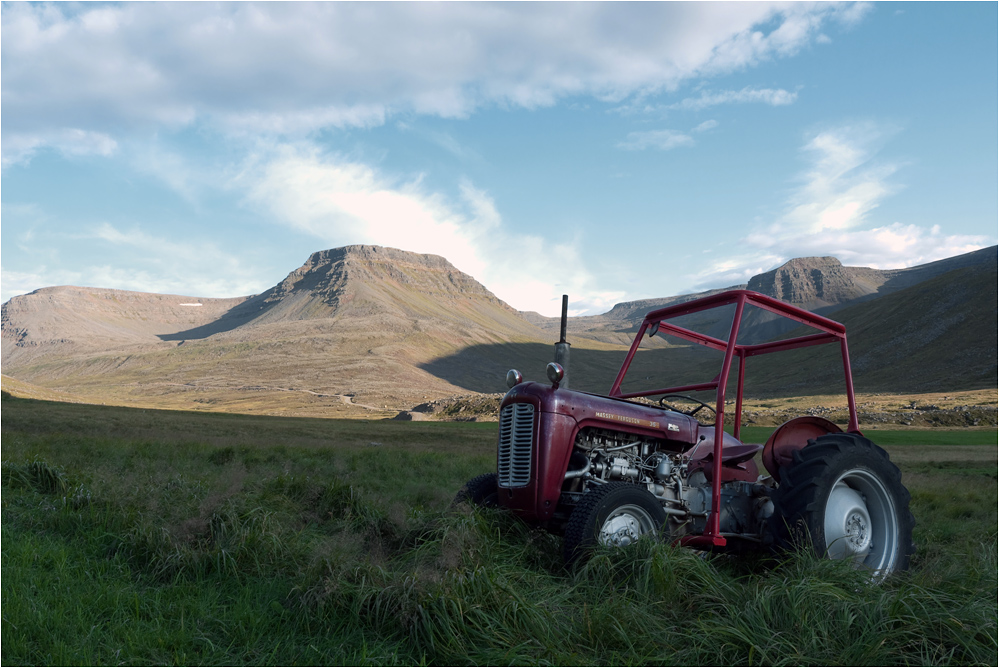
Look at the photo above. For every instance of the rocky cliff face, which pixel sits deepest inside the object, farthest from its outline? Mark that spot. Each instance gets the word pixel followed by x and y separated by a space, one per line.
pixel 815 282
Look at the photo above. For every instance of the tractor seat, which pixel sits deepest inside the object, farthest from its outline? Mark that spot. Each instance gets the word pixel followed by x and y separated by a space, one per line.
pixel 734 451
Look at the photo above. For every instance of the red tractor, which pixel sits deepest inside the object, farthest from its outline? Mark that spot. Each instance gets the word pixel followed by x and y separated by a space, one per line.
pixel 609 469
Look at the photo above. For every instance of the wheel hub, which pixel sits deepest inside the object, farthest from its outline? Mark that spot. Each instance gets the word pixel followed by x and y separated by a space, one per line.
pixel 848 524
pixel 620 531
pixel 858 533
pixel 625 526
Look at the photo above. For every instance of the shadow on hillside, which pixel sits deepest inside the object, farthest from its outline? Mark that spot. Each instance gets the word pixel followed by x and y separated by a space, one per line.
pixel 483 367
pixel 885 358
pixel 235 317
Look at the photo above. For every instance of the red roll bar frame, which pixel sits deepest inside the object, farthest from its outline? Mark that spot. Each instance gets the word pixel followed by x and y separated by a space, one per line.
pixel 655 321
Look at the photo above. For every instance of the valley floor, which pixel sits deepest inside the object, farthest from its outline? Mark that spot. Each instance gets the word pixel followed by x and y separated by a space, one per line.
pixel 956 409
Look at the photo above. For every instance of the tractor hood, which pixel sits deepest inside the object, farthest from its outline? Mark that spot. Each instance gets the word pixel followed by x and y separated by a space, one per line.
pixel 593 410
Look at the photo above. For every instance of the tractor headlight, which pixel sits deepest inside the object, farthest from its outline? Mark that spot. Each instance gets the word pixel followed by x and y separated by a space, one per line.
pixel 555 372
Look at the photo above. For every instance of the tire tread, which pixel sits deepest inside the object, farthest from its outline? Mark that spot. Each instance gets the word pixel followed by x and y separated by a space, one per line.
pixel 479 491
pixel 800 495
pixel 579 531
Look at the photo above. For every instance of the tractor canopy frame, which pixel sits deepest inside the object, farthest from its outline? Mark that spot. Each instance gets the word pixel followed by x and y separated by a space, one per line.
pixel 830 331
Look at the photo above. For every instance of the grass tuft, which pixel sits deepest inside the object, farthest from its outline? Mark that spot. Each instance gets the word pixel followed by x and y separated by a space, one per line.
pixel 35 474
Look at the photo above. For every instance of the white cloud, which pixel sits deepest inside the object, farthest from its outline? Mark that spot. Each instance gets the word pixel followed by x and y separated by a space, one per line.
pixel 157 264
pixel 661 139
pixel 774 97
pixel 297 67
pixel 342 202
pixel 843 185
pixel 829 214
pixel 22 282
pixel 68 141
pixel 442 139
pixel 734 270
pixel 886 247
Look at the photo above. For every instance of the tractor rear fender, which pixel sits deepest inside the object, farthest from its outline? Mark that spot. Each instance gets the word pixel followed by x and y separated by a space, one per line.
pixel 793 435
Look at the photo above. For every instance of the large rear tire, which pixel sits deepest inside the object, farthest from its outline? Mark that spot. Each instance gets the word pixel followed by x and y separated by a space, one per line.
pixel 615 514
pixel 842 496
pixel 479 491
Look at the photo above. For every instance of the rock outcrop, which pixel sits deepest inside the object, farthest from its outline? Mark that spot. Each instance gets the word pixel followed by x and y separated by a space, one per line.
pixel 816 282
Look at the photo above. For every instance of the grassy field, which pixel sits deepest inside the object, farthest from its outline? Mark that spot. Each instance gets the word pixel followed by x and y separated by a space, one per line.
pixel 154 537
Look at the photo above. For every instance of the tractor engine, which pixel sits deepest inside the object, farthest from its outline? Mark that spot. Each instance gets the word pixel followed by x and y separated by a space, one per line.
pixel 601 456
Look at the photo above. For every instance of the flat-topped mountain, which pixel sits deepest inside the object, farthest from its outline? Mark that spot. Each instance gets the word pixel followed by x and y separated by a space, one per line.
pixel 370 282
pixel 361 280
pixel 353 282
pixel 352 322
pixel 371 328
pixel 818 283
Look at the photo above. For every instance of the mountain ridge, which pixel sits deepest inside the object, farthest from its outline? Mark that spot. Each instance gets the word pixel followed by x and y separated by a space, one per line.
pixel 819 284
pixel 358 322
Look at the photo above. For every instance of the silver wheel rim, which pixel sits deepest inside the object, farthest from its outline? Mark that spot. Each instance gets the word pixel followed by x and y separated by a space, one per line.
pixel 860 521
pixel 625 525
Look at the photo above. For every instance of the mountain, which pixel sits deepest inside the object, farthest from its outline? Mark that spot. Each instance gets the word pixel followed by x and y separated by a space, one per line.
pixel 350 326
pixel 819 284
pixel 363 282
pixel 372 329
pixel 97 319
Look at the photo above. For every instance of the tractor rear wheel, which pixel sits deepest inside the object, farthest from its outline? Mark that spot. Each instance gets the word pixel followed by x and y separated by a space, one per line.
pixel 479 491
pixel 842 495
pixel 615 514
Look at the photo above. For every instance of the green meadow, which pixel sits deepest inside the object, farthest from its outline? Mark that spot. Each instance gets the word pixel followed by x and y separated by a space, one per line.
pixel 135 536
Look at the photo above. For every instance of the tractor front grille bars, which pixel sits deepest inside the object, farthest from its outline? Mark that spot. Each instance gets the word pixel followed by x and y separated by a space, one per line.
pixel 516 436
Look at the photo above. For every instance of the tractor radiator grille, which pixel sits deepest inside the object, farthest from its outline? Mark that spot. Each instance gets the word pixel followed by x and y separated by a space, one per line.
pixel 516 436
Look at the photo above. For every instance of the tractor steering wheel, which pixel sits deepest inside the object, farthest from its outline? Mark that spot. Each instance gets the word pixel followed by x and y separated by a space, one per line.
pixel 691 413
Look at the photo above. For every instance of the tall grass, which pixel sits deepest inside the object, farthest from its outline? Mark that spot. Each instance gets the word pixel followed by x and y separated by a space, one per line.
pixel 237 550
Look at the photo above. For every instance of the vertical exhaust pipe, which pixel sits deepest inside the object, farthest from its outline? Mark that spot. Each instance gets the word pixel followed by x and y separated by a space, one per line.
pixel 562 347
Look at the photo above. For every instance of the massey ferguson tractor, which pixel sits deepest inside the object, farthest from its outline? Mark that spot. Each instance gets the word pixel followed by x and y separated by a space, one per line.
pixel 607 470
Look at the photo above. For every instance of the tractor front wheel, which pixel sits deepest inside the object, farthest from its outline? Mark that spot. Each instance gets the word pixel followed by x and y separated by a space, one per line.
pixel 843 496
pixel 479 491
pixel 615 514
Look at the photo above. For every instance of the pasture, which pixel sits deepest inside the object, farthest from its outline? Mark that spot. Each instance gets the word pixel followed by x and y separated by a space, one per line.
pixel 137 536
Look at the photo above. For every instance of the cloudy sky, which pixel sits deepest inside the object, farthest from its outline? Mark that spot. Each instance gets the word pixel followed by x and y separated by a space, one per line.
pixel 608 151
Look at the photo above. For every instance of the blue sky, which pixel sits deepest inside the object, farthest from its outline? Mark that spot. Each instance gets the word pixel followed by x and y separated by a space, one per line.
pixel 609 151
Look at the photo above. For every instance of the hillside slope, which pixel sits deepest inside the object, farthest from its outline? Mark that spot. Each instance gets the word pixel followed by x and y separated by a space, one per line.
pixel 937 335
pixel 69 318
